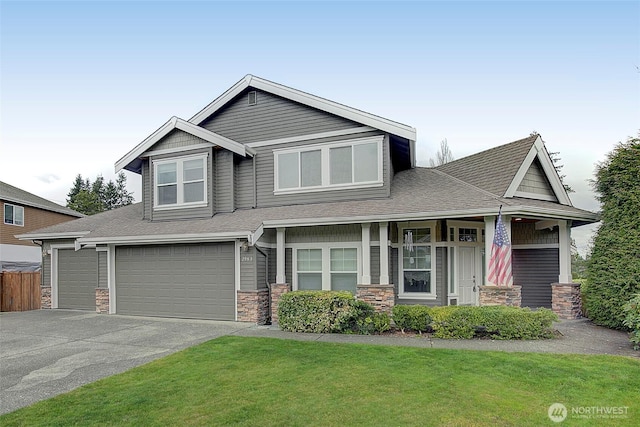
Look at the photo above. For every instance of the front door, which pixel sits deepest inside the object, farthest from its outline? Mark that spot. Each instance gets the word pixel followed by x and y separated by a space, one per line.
pixel 467 286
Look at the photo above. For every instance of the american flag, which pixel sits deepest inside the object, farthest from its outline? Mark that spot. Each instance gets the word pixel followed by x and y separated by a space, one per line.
pixel 500 261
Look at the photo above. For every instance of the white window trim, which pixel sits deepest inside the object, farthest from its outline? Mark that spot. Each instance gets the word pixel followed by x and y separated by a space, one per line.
pixel 326 260
pixel 180 182
pixel 4 218
pixel 325 166
pixel 417 295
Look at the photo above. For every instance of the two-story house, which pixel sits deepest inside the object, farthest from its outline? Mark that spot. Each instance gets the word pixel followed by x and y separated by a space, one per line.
pixel 24 212
pixel 269 188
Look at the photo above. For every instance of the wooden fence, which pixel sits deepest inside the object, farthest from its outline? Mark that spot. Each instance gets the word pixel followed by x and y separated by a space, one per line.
pixel 19 291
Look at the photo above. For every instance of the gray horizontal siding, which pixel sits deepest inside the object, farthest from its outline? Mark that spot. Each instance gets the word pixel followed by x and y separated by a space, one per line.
pixel 265 178
pixel 147 201
pixel 535 270
pixel 103 281
pixel 261 270
pixel 224 181
pixel 272 117
pixel 288 265
pixel 244 188
pixel 374 265
pixel 248 276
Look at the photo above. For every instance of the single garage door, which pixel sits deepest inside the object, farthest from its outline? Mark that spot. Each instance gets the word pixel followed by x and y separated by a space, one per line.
pixel 189 281
pixel 77 278
pixel 535 270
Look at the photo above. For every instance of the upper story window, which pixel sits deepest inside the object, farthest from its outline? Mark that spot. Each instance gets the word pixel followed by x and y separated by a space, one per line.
pixel 13 214
pixel 345 164
pixel 180 182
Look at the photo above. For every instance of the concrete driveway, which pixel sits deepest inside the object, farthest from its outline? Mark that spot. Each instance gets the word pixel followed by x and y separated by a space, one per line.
pixel 47 352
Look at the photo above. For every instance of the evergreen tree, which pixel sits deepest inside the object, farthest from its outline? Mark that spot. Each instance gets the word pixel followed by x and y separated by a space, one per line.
pixel 91 198
pixel 613 270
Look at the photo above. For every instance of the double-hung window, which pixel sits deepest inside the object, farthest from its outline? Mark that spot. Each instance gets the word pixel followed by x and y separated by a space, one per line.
pixel 417 278
pixel 326 268
pixel 13 214
pixel 180 182
pixel 345 164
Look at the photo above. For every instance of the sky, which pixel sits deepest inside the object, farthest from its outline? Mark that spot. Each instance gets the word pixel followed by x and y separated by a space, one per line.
pixel 83 82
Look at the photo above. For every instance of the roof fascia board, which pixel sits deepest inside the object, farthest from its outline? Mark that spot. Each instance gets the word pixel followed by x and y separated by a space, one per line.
pixel 539 151
pixel 51 236
pixel 167 238
pixel 306 99
pixel 507 210
pixel 183 125
pixel 62 209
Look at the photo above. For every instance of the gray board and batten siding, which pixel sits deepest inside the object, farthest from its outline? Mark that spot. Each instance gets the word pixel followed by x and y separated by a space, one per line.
pixel 187 281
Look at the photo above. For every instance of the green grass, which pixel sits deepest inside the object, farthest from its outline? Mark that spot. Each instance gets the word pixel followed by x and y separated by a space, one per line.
pixel 261 381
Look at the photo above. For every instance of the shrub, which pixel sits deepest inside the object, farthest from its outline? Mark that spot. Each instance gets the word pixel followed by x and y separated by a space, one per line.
pixel 317 311
pixel 412 317
pixel 498 322
pixel 329 311
pixel 632 320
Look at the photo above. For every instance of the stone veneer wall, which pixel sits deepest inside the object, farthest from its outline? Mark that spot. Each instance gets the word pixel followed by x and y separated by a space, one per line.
pixel 253 306
pixel 45 297
pixel 566 300
pixel 381 297
pixel 102 300
pixel 498 295
pixel 277 289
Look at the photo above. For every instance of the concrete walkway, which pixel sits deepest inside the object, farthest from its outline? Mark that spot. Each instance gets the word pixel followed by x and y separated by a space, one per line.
pixel 44 353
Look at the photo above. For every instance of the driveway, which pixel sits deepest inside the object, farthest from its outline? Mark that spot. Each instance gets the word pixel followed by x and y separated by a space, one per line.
pixel 47 352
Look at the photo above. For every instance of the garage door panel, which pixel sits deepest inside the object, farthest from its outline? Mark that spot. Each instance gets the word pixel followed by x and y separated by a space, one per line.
pixel 77 278
pixel 191 281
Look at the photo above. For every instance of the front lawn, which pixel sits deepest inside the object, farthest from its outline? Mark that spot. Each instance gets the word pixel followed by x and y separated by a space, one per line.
pixel 262 381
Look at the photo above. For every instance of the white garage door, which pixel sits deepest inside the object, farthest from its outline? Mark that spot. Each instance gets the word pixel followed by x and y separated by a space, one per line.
pixel 188 281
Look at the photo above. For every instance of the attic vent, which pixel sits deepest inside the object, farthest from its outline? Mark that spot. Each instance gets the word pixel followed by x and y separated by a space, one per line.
pixel 252 97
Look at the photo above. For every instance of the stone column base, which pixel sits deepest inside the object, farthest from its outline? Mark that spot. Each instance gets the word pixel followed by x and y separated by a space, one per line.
pixel 277 290
pixel 566 300
pixel 102 300
pixel 45 297
pixel 501 295
pixel 253 306
pixel 381 297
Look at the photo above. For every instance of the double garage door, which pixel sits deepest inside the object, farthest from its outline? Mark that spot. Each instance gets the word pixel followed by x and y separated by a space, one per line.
pixel 188 281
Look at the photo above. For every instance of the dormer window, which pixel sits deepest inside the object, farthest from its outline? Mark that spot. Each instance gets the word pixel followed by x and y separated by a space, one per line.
pixel 180 182
pixel 346 164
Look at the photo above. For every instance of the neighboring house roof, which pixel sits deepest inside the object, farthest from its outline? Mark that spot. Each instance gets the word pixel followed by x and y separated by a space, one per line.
pixel 416 194
pixel 501 169
pixel 131 161
pixel 16 195
pixel 308 99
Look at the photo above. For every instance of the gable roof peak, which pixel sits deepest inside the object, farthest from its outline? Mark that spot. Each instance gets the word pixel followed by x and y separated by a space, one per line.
pixel 307 99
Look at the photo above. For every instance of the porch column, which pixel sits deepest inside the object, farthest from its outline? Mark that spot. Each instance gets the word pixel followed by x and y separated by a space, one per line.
pixel 366 254
pixel 564 227
pixel 384 253
pixel 280 254
pixel 489 233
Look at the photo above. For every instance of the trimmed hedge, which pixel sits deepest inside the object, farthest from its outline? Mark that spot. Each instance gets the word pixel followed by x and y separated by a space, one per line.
pixel 497 322
pixel 632 320
pixel 329 312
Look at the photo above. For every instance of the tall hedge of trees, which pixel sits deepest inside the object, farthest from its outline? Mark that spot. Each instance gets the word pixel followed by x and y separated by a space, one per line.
pixel 613 270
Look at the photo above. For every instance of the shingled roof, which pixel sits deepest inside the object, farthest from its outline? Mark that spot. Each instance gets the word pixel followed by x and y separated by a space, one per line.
pixel 16 195
pixel 492 170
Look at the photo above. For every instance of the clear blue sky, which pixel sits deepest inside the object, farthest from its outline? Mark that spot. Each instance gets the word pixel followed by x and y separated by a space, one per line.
pixel 83 82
